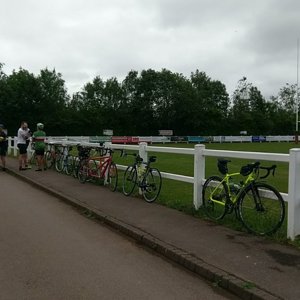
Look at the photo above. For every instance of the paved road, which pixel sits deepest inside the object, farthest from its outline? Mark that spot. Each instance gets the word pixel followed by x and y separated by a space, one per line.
pixel 49 251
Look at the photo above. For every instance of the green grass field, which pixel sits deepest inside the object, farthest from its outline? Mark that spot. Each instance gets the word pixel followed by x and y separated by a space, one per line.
pixel 179 195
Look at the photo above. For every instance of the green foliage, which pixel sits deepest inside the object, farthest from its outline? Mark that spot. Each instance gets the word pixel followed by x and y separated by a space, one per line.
pixel 34 99
pixel 142 104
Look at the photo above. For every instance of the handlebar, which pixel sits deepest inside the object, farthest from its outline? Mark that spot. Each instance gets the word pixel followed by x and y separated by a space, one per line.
pixel 256 167
pixel 138 158
pixel 269 169
pixel 247 169
pixel 101 150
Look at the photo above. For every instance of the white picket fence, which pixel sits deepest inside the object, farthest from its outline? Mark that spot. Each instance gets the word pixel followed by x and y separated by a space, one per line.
pixel 200 153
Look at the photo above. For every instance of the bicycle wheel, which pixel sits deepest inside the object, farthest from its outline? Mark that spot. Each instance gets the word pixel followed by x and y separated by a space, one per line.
pixel 214 197
pixel 83 173
pixel 261 208
pixel 59 163
pixel 151 185
pixel 112 177
pixel 129 180
pixel 32 160
pixel 69 164
pixel 49 159
pixel 76 167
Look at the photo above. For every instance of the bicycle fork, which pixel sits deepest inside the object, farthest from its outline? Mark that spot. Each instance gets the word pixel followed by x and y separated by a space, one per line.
pixel 257 199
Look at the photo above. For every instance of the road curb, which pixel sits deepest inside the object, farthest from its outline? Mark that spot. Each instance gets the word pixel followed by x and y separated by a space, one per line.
pixel 238 286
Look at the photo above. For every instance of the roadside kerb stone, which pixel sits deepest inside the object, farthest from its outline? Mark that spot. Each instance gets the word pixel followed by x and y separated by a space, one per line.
pixel 230 282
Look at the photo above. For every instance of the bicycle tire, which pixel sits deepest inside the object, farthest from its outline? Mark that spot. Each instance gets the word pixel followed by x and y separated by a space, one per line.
pixel 69 164
pixel 129 180
pixel 49 160
pixel 94 170
pixel 76 166
pixel 59 163
pixel 83 173
pixel 151 185
pixel 112 177
pixel 215 189
pixel 32 160
pixel 266 216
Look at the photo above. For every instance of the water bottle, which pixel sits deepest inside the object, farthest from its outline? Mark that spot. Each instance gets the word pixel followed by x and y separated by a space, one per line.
pixel 141 170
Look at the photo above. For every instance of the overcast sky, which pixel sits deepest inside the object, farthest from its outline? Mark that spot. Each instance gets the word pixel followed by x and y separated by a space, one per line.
pixel 81 39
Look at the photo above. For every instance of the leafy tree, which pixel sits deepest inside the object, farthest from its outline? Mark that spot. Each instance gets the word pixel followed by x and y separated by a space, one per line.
pixel 287 97
pixel 142 104
pixel 283 112
pixel 88 105
pixel 21 93
pixel 241 114
pixel 260 118
pixel 211 104
pixel 138 98
pixel 51 104
pixel 3 93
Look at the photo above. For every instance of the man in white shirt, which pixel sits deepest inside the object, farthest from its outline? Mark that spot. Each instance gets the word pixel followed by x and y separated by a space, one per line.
pixel 23 136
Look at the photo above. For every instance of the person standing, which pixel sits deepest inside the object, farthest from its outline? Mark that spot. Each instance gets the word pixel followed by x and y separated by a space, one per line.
pixel 22 138
pixel 3 146
pixel 38 138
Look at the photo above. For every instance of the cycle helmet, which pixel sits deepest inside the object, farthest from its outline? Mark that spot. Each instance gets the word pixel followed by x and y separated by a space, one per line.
pixel 40 126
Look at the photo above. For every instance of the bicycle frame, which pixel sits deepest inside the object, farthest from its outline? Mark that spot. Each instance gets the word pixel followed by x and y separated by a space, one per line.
pixel 250 200
pixel 233 197
pixel 54 150
pixel 104 163
pixel 63 157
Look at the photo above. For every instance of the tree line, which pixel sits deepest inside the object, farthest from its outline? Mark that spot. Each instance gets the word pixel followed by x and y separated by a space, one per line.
pixel 143 103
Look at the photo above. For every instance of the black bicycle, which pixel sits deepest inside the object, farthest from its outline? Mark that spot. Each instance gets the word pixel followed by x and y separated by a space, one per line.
pixel 142 175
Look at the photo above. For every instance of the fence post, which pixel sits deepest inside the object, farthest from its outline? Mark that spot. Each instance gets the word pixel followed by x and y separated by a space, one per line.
pixel 293 222
pixel 143 151
pixel 144 155
pixel 199 174
pixel 9 150
pixel 15 146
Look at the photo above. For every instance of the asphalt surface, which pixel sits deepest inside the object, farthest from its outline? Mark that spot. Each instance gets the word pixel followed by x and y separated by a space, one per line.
pixel 49 251
pixel 248 266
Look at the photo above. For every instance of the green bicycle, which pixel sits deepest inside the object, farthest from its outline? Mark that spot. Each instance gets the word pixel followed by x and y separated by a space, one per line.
pixel 258 205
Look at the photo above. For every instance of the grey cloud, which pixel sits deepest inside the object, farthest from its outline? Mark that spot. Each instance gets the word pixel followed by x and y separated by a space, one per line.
pixel 81 39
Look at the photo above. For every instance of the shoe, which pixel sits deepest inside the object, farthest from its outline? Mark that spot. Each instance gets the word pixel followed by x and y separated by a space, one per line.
pixel 3 169
pixel 27 167
pixel 38 170
pixel 22 169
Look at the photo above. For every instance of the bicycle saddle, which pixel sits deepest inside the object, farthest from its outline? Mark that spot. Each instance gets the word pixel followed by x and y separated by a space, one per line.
pixel 222 165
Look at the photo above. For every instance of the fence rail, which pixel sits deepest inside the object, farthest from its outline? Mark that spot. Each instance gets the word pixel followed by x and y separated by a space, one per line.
pixel 200 153
pixel 176 139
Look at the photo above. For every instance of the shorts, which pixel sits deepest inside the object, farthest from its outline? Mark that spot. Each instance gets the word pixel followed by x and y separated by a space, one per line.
pixel 3 150
pixel 40 152
pixel 22 148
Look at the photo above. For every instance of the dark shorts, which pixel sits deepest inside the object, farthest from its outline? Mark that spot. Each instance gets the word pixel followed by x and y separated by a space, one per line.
pixel 40 152
pixel 3 150
pixel 22 148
